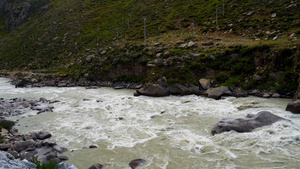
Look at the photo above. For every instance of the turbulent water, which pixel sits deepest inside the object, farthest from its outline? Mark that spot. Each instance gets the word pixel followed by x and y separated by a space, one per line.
pixel 169 132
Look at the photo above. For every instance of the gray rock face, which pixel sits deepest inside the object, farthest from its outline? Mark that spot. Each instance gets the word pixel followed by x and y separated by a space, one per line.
pixel 294 107
pixel 12 163
pixel 42 135
pixel 246 124
pixel 23 145
pixel 153 90
pixel 217 93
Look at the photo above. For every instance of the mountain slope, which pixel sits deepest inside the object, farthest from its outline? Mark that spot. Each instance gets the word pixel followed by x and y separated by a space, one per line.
pixel 59 35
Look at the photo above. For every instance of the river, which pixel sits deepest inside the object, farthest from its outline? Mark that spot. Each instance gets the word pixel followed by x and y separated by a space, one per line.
pixel 168 132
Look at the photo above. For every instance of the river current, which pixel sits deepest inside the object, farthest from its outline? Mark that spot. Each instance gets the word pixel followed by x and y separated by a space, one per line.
pixel 169 132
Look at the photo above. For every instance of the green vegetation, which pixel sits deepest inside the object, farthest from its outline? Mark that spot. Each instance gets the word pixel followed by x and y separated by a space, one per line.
pixel 38 164
pixel 7 124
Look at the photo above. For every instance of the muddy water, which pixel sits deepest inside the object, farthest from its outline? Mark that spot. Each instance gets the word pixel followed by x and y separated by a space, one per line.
pixel 169 132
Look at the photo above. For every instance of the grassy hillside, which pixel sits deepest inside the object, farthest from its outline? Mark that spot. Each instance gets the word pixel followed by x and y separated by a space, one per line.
pixel 58 35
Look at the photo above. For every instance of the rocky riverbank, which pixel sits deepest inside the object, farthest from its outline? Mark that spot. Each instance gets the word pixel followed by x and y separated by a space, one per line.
pixel 205 87
pixel 27 146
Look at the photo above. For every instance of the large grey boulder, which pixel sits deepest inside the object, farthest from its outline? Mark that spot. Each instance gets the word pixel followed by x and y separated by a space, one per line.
pixel 217 93
pixel 152 89
pixel 187 89
pixel 246 124
pixel 23 145
pixel 294 107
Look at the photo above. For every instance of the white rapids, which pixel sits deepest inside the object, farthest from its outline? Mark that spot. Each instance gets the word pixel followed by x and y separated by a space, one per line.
pixel 168 132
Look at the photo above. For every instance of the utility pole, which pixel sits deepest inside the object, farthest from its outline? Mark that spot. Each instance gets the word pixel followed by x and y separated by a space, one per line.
pixel 217 16
pixel 145 28
pixel 223 8
pixel 193 28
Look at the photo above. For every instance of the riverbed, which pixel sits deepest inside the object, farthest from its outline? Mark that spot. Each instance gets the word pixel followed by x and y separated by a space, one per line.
pixel 171 132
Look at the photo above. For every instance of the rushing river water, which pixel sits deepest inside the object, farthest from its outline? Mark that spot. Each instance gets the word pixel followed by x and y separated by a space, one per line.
pixel 169 132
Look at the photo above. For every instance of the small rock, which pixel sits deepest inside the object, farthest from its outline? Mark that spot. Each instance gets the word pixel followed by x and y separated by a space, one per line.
pixel 103 52
pixel 250 13
pixel 96 166
pixel 273 15
pixel 191 44
pixel 275 38
pixel 93 146
pixel 292 37
pixel 184 45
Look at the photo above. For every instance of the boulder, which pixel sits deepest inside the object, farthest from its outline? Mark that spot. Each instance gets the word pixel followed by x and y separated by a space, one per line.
pixel 46 154
pixel 216 93
pixel 152 89
pixel 23 145
pixel 96 166
pixel 137 162
pixel 246 124
pixel 191 44
pixel 177 89
pixel 42 135
pixel 294 107
pixel 59 149
pixel 204 83
pixel 21 83
pixel 4 147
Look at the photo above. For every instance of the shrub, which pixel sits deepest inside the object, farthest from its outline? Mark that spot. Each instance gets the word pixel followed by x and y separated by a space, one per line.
pixel 7 124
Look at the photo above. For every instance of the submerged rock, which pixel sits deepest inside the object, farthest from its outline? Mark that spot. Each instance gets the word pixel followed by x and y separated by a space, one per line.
pixel 246 124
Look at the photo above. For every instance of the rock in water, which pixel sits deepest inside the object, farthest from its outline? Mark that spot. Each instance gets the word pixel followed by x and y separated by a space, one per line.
pixel 96 166
pixel 246 124
pixel 294 107
pixel 42 135
pixel 137 162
